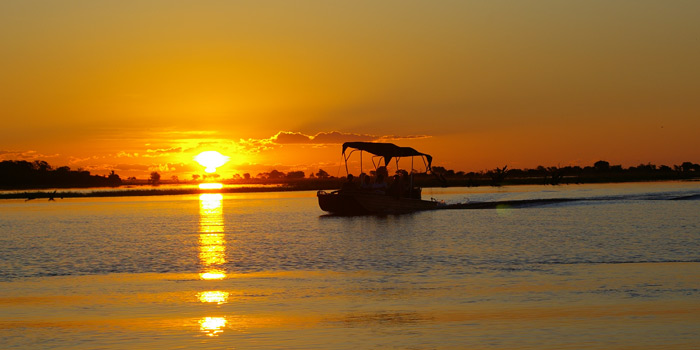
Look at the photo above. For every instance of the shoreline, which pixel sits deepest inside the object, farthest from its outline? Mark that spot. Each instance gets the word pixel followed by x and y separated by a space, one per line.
pixel 140 191
pixel 73 193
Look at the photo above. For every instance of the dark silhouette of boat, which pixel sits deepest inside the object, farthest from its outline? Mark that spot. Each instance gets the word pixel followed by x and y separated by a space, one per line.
pixel 399 197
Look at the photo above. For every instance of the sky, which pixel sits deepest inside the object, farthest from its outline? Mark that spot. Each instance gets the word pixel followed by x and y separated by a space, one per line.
pixel 142 86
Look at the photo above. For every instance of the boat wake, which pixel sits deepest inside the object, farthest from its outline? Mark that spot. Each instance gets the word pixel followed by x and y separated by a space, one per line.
pixel 528 203
pixel 508 203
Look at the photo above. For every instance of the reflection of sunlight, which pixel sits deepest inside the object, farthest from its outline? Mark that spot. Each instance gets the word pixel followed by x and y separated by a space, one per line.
pixel 212 243
pixel 209 201
pixel 212 255
pixel 218 297
pixel 212 326
pixel 211 186
pixel 212 275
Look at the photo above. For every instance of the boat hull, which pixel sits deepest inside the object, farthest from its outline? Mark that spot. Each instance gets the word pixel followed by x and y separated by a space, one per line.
pixel 362 203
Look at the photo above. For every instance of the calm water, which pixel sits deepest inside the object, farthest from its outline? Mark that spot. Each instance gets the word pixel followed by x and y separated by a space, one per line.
pixel 270 271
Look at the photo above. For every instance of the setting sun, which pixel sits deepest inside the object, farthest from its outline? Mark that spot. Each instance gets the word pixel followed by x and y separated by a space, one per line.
pixel 211 160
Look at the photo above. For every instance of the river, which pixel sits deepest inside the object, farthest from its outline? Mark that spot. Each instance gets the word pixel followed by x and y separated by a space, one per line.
pixel 619 269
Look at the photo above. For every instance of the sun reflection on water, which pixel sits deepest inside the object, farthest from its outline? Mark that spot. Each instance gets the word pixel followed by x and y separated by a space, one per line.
pixel 212 256
pixel 210 201
pixel 216 296
pixel 212 275
pixel 211 186
pixel 212 326
pixel 212 242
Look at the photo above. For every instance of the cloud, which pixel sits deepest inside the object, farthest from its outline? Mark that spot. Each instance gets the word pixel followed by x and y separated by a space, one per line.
pixel 127 154
pixel 398 137
pixel 184 134
pixel 256 145
pixel 24 155
pixel 131 167
pixel 165 150
pixel 74 160
pixel 166 167
pixel 209 145
pixel 332 138
pixel 319 139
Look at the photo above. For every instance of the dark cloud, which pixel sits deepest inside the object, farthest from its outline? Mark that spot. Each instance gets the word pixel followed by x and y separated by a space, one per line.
pixel 332 137
pixel 321 138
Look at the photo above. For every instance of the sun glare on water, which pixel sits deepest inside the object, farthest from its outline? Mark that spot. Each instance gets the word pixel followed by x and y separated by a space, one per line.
pixel 212 326
pixel 211 186
pixel 211 160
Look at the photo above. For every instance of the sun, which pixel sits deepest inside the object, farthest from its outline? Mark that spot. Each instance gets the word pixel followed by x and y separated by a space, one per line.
pixel 211 160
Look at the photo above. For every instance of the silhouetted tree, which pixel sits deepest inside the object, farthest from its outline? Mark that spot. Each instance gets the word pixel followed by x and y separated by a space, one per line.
pixel 555 175
pixel 275 175
pixel 601 165
pixel 438 170
pixel 114 179
pixel 322 174
pixel 155 178
pixel 498 175
pixel 644 167
pixel 41 165
pixel 688 166
pixel 295 175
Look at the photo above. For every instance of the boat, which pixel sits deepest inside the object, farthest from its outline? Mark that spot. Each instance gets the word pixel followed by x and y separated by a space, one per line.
pixel 401 197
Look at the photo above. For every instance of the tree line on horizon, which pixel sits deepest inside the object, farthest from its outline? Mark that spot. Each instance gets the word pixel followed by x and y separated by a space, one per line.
pixel 600 171
pixel 40 174
pixel 602 168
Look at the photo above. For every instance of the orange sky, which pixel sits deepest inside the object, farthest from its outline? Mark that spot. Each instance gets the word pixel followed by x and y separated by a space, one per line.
pixel 137 86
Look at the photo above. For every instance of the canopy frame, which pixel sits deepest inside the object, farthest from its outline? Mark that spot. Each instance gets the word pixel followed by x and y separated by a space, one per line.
pixel 386 151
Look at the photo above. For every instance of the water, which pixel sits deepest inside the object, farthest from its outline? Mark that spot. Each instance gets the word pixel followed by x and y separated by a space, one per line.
pixel 270 270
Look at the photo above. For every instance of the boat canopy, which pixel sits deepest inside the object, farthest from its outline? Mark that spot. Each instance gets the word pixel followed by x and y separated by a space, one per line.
pixel 386 151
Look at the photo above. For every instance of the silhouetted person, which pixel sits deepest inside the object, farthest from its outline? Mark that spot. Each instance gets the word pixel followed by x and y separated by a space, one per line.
pixel 396 187
pixel 380 184
pixel 350 184
pixel 406 185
